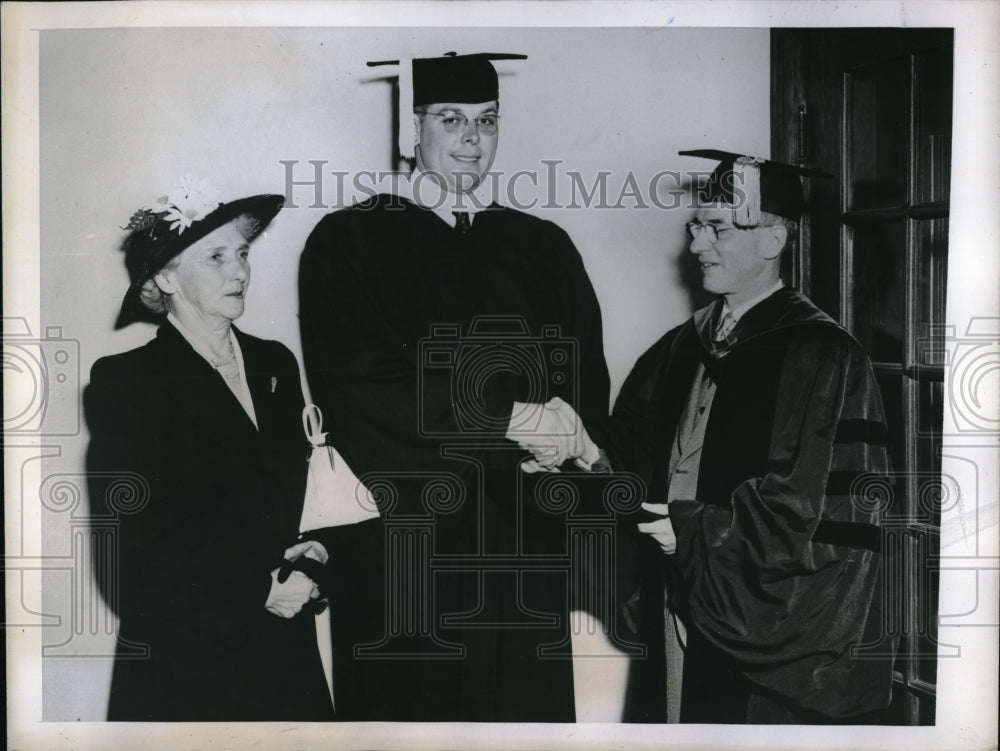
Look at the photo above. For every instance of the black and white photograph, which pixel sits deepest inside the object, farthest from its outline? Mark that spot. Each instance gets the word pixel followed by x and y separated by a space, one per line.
pixel 495 375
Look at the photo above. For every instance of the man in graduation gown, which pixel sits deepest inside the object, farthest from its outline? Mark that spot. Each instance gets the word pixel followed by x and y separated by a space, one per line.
pixel 435 323
pixel 759 429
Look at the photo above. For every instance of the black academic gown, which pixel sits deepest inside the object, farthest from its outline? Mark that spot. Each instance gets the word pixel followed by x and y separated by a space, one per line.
pixel 206 504
pixel 417 341
pixel 776 573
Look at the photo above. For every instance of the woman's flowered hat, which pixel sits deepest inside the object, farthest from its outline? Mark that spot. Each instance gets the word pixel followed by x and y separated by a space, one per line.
pixel 176 221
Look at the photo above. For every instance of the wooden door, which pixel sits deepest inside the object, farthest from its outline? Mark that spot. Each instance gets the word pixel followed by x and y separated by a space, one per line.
pixel 873 108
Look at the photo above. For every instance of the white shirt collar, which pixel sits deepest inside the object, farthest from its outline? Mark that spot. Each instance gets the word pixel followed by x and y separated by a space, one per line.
pixel 737 311
pixel 424 191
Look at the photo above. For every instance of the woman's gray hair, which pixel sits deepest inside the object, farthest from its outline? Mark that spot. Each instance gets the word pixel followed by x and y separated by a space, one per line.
pixel 152 297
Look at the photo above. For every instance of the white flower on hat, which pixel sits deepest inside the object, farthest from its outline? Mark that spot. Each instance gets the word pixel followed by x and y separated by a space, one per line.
pixel 194 199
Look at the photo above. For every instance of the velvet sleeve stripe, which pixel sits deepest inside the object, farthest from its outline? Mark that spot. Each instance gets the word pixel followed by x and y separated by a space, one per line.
pixel 849 534
pixel 864 431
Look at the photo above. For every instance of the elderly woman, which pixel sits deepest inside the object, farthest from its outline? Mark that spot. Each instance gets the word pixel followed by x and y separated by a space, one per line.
pixel 204 424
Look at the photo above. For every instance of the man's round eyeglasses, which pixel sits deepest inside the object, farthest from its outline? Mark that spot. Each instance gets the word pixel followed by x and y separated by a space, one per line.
pixel 712 231
pixel 455 121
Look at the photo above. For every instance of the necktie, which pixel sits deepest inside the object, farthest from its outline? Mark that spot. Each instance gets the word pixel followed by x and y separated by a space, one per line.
pixel 726 325
pixel 462 223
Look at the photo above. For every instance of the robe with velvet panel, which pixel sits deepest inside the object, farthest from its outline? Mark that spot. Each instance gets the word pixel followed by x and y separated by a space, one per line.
pixel 776 572
pixel 417 341
pixel 214 502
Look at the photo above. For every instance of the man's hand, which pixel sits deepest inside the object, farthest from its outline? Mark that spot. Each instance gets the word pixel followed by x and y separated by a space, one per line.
pixel 552 433
pixel 542 430
pixel 660 530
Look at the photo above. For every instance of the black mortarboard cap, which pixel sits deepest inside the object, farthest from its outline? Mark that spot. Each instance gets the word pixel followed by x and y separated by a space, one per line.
pixel 463 79
pixel 752 184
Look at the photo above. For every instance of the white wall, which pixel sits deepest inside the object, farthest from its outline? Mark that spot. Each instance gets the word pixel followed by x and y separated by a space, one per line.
pixel 124 112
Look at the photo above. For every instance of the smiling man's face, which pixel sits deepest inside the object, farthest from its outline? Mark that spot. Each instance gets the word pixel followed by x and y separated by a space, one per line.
pixel 742 263
pixel 462 156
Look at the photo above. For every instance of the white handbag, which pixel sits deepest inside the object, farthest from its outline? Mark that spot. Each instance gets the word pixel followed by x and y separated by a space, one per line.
pixel 334 495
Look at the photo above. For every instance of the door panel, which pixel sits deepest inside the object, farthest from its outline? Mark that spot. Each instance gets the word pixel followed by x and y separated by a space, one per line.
pixel 873 108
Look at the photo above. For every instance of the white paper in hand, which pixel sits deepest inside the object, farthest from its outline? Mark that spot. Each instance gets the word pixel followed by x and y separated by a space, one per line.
pixel 334 495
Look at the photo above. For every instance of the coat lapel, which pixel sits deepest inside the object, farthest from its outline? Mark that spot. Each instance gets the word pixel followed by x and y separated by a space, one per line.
pixel 272 389
pixel 262 380
pixel 199 390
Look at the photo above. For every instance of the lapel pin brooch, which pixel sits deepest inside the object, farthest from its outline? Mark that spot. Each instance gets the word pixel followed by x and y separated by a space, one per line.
pixel 274 383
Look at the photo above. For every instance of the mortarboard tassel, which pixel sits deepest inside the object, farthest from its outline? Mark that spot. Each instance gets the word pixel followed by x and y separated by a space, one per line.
pixel 407 133
pixel 746 174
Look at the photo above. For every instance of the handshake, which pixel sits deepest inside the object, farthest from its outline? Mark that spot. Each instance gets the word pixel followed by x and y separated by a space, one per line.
pixel 553 433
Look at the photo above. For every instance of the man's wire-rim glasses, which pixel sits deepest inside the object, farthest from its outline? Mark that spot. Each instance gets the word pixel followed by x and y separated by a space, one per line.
pixel 455 121
pixel 712 231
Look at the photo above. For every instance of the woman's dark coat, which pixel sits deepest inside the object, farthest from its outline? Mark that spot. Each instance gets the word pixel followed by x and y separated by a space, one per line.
pixel 206 505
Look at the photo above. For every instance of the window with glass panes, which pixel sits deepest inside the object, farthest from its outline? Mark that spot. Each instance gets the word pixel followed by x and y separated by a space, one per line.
pixel 873 108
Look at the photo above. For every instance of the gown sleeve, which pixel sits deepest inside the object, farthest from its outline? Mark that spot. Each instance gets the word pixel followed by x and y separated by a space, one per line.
pixel 633 436
pixel 759 583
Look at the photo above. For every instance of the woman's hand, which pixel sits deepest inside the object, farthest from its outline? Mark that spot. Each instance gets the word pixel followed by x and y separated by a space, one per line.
pixel 309 549
pixel 291 591
pixel 287 598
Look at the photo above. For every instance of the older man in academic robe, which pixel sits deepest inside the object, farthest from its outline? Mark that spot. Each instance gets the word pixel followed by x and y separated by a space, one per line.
pixel 758 427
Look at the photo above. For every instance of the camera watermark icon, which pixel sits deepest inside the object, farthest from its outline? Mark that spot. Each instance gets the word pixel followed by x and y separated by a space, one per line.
pixel 972 373
pixel 41 380
pixel 458 372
